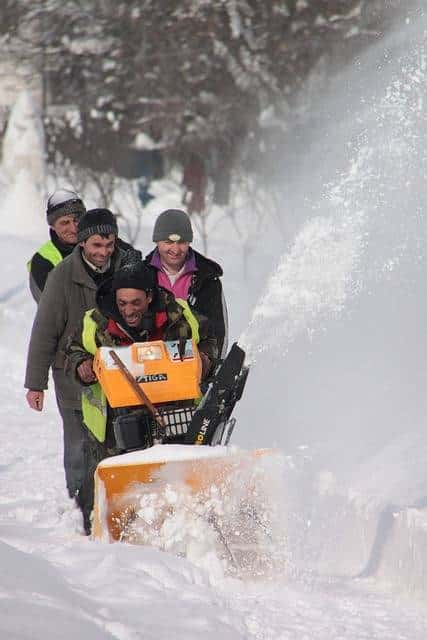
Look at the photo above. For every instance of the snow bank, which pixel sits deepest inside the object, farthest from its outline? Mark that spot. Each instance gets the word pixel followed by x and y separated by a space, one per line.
pixel 23 168
pixel 23 142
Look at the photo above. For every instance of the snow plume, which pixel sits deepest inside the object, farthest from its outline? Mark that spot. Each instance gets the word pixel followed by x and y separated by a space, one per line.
pixel 232 526
pixel 313 281
pixel 340 332
pixel 363 172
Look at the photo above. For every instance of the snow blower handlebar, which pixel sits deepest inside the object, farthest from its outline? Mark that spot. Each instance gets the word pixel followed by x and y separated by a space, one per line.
pixel 140 392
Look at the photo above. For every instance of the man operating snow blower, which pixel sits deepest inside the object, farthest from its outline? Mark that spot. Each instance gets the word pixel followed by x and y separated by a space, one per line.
pixel 130 309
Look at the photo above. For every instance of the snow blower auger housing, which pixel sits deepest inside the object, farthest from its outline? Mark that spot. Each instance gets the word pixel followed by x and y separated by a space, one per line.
pixel 154 392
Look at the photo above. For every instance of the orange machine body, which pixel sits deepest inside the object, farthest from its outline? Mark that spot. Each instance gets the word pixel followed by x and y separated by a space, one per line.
pixel 156 366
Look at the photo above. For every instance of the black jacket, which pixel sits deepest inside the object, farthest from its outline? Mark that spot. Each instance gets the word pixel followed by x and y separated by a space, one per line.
pixel 206 297
pixel 40 267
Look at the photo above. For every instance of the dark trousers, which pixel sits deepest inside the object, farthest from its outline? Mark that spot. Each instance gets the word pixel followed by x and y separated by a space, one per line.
pixel 94 452
pixel 74 448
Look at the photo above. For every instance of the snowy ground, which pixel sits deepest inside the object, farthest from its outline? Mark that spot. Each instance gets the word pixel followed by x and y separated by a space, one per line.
pixel 57 583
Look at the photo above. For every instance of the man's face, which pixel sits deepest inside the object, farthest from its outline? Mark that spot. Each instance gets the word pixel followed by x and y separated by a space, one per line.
pixel 65 228
pixel 132 304
pixel 98 249
pixel 173 254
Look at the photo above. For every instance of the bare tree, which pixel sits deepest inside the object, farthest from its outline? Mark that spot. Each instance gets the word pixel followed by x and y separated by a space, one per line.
pixel 194 76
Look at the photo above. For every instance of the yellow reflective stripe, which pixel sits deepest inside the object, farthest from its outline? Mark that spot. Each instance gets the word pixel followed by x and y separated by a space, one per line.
pixel 94 395
pixel 191 319
pixel 94 409
pixel 89 332
pixel 94 402
pixel 49 252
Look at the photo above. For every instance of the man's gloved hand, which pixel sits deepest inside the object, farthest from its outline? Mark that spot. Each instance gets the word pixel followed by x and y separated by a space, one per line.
pixel 206 364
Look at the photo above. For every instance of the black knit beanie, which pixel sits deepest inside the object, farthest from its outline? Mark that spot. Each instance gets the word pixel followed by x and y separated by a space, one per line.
pixel 96 222
pixel 173 224
pixel 63 202
pixel 134 276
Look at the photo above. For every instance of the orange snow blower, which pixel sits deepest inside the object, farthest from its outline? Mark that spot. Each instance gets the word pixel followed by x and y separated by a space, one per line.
pixel 159 412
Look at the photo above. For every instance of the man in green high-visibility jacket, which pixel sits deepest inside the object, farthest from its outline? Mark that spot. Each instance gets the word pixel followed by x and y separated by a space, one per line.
pixel 130 308
pixel 64 208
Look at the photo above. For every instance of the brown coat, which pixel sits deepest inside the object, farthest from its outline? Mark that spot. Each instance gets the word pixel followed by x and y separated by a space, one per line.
pixel 69 292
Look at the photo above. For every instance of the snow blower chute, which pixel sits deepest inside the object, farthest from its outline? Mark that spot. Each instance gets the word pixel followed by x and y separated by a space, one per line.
pixel 163 421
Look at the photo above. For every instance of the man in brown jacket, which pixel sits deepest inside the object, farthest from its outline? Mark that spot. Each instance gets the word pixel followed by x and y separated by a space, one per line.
pixel 69 292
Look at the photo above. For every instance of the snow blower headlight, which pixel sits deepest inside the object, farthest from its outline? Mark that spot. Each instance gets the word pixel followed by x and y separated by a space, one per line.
pixel 148 352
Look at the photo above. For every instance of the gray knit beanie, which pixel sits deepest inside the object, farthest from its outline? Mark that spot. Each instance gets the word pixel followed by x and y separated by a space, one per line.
pixel 173 224
pixel 96 222
pixel 63 202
